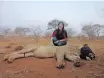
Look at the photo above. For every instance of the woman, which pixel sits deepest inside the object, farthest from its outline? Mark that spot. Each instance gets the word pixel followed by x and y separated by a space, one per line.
pixel 59 36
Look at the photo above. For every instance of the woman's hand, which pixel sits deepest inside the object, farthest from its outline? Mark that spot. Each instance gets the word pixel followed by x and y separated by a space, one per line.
pixel 62 40
pixel 57 41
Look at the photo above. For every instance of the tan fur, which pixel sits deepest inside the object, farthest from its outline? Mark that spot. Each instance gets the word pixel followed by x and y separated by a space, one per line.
pixel 44 52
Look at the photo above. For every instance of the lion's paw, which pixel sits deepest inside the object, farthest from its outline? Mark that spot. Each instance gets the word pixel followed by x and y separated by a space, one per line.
pixel 10 59
pixel 6 57
pixel 60 65
pixel 77 64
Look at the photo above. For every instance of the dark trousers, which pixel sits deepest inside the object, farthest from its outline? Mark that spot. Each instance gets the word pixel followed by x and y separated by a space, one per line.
pixel 60 43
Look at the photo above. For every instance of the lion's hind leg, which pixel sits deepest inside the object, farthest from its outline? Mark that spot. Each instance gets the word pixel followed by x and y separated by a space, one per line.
pixel 6 57
pixel 26 52
pixel 18 54
pixel 14 56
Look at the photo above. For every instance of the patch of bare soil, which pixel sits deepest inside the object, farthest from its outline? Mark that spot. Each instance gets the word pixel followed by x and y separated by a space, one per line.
pixel 45 68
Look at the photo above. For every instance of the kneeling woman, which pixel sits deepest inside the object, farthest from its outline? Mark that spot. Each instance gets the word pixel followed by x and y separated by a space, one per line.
pixel 59 36
pixel 86 53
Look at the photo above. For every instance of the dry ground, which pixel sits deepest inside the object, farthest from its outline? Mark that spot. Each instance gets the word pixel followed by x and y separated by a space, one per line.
pixel 45 68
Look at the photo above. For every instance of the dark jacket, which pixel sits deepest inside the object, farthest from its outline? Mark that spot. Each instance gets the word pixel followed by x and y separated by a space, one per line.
pixel 85 52
pixel 59 35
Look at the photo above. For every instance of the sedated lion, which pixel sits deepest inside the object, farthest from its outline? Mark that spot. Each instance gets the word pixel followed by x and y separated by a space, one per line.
pixel 59 52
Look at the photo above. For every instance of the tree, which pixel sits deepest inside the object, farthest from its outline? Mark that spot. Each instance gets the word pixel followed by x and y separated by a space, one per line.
pixel 88 30
pixel 2 30
pixel 6 31
pixel 48 34
pixel 98 29
pixel 20 31
pixel 70 32
pixel 93 30
pixel 53 24
pixel 37 32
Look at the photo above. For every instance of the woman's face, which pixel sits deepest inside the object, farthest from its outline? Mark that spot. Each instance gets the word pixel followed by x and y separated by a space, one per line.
pixel 60 26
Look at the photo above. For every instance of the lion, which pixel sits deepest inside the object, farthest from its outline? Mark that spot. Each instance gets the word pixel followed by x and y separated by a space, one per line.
pixel 59 52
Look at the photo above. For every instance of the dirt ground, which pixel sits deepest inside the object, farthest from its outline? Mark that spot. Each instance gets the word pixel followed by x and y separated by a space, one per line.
pixel 45 68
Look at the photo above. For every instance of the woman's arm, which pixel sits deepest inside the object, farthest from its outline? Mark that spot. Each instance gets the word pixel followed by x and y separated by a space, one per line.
pixel 53 35
pixel 90 50
pixel 63 39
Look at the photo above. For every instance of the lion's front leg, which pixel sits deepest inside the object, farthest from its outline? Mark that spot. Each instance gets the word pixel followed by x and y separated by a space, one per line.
pixel 60 59
pixel 74 58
